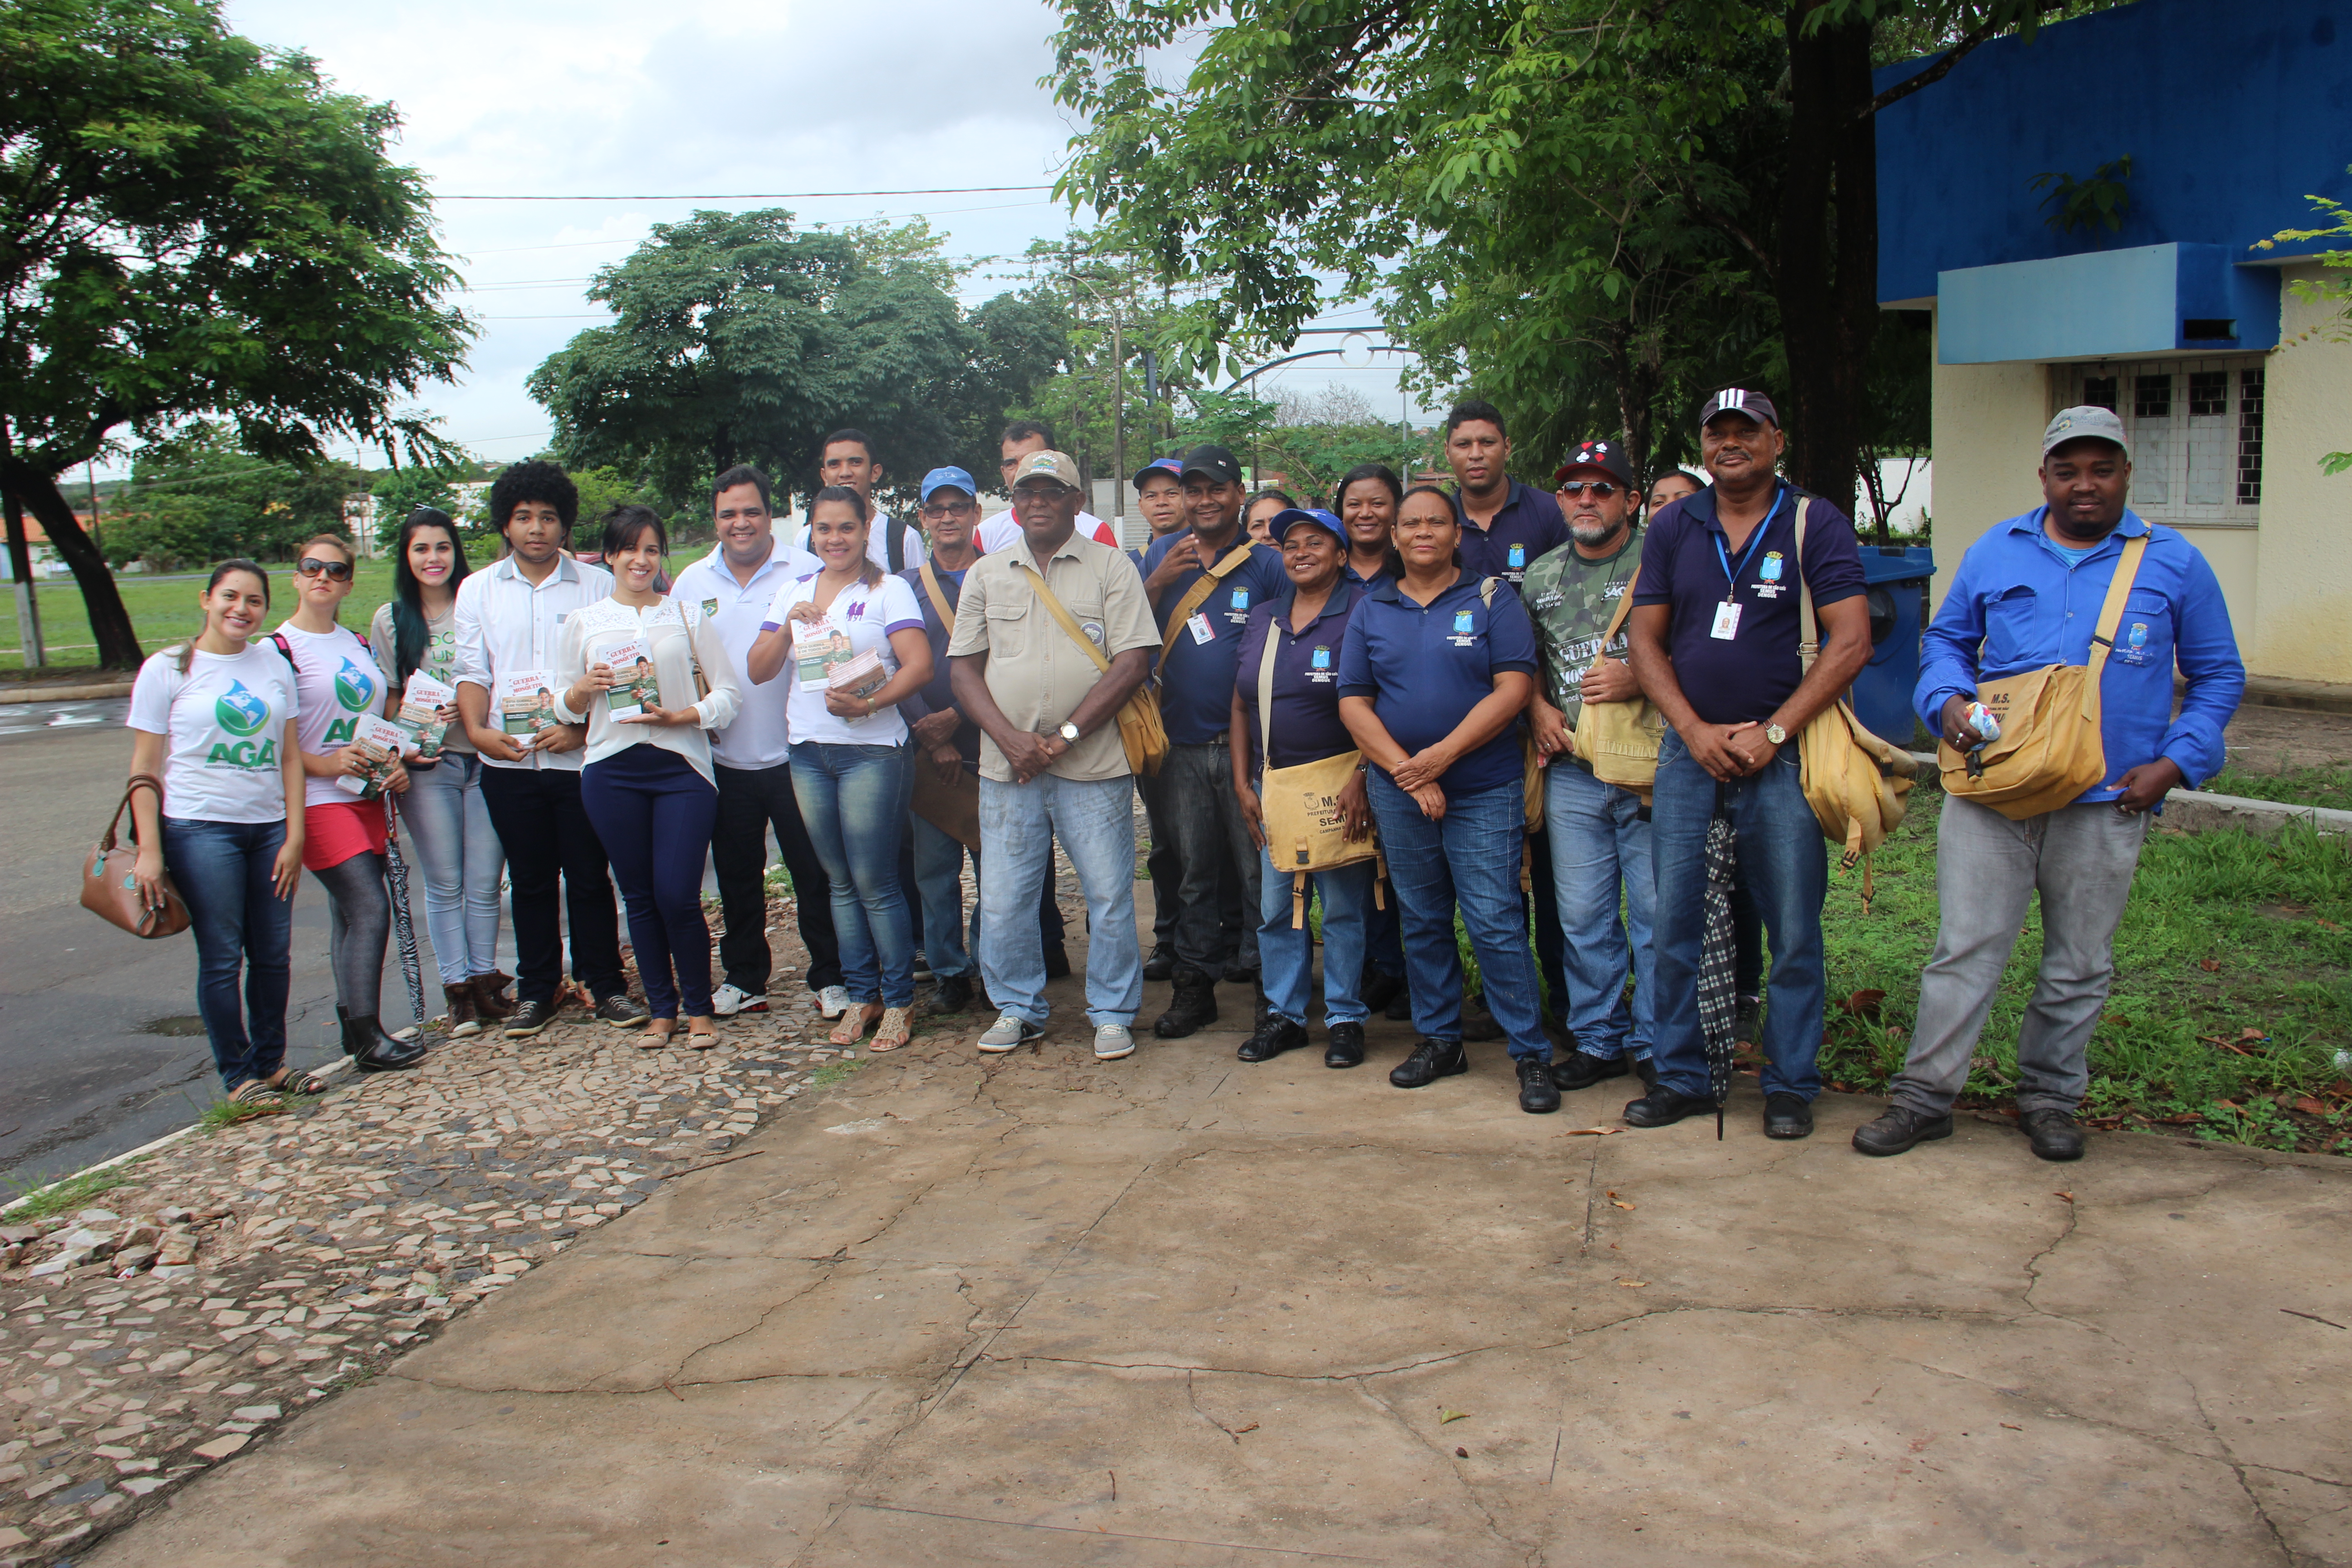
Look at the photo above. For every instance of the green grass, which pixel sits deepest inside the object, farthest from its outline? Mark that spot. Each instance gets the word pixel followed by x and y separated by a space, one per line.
pixel 2233 991
pixel 2327 786
pixel 833 1073
pixel 162 611
pixel 222 1114
pixel 72 1193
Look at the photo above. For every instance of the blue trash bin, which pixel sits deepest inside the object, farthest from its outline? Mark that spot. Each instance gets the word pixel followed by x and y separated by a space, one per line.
pixel 1898 582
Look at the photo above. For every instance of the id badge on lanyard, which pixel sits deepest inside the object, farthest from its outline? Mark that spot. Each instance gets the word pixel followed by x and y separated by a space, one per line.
pixel 1726 613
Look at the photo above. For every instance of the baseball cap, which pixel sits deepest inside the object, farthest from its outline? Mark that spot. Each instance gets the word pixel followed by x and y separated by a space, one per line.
pixel 1285 520
pixel 2088 423
pixel 1046 465
pixel 1214 462
pixel 1607 456
pixel 1173 466
pixel 1739 400
pixel 948 480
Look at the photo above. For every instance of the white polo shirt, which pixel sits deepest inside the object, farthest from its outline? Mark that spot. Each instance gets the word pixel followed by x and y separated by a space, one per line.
pixel 793 532
pixel 507 624
pixel 760 736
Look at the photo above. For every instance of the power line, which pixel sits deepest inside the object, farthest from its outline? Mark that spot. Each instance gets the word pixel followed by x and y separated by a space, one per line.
pixel 759 196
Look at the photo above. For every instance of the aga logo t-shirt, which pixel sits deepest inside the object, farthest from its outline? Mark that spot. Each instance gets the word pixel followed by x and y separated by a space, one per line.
pixel 335 680
pixel 224 724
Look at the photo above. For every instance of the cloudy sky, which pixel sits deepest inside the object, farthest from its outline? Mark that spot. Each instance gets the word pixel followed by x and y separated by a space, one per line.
pixel 596 97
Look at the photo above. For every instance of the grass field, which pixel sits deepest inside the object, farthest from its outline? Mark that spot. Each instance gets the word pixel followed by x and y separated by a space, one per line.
pixel 2327 786
pixel 162 610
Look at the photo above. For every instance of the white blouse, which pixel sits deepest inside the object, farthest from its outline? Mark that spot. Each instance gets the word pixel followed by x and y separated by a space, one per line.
pixel 678 637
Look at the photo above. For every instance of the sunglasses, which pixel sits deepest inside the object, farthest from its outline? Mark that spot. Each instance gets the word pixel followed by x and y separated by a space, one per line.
pixel 334 570
pixel 1601 488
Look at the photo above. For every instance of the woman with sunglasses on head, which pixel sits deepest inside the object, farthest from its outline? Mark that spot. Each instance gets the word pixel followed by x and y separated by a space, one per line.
pixel 1367 502
pixel 648 784
pixel 337 683
pixel 1258 511
pixel 214 720
pixel 852 769
pixel 457 849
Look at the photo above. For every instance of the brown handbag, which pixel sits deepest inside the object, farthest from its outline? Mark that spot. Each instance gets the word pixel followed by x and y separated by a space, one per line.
pixel 110 889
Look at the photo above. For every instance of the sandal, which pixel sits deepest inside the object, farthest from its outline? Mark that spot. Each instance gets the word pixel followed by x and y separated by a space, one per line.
pixel 702 1038
pixel 897 1028
pixel 260 1094
pixel 295 1081
pixel 854 1024
pixel 655 1038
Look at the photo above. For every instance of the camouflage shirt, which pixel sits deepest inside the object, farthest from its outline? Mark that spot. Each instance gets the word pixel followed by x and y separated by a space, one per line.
pixel 1572 600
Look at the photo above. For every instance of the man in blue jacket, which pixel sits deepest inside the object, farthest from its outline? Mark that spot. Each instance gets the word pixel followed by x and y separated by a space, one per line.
pixel 2028 595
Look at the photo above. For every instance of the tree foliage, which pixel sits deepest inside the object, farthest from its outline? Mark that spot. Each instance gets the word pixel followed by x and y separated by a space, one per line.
pixel 194 227
pixel 197 496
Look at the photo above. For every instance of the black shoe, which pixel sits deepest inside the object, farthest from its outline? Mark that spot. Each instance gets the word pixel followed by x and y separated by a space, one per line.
pixel 1579 1070
pixel 952 993
pixel 1431 1061
pixel 1195 1004
pixel 1646 1068
pixel 1379 988
pixel 1747 1022
pixel 623 1011
pixel 1539 1096
pixel 922 967
pixel 1344 1046
pixel 1239 973
pixel 2053 1133
pixel 373 1049
pixel 1664 1107
pixel 1788 1116
pixel 1477 1022
pixel 1399 1007
pixel 1274 1036
pixel 1161 964
pixel 1898 1129
pixel 529 1018
pixel 1057 963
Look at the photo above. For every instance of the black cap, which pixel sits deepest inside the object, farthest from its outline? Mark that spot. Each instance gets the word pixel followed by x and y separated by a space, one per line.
pixel 1214 462
pixel 1740 400
pixel 1609 457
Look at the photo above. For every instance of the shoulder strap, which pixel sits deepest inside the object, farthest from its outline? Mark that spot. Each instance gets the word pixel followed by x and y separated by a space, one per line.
pixel 1808 637
pixel 1069 624
pixel 1266 690
pixel 938 596
pixel 286 648
pixel 1487 592
pixel 2111 614
pixel 1625 609
pixel 1197 595
pixel 895 546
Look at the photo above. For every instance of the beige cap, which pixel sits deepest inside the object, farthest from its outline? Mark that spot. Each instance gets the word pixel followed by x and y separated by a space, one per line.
pixel 1047 465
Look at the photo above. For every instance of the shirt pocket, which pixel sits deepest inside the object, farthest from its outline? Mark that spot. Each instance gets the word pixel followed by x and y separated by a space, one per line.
pixel 2144 635
pixel 1008 629
pixel 2013 635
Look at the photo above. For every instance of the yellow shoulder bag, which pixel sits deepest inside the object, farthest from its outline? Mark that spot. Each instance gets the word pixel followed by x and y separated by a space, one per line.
pixel 1620 740
pixel 1304 831
pixel 1857 783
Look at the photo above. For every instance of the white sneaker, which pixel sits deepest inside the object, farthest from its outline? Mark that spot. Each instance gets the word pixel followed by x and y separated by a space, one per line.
pixel 1011 1032
pixel 1113 1041
pixel 833 1001
pixel 731 999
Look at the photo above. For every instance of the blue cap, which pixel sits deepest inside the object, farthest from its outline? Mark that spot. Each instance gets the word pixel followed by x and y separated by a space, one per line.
pixel 1173 466
pixel 949 479
pixel 1283 521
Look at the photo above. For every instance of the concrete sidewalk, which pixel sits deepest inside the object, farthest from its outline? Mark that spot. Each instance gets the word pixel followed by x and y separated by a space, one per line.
pixel 1178 1310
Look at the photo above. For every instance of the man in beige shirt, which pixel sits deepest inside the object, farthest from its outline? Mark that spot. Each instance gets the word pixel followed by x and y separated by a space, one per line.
pixel 1051 761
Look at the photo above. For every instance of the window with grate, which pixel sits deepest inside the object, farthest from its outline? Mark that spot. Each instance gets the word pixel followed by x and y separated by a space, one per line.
pixel 2249 437
pixel 2196 428
pixel 2098 392
pixel 2209 393
pixel 2151 397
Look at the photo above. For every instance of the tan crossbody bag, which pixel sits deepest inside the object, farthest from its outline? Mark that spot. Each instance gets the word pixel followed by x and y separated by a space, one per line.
pixel 2050 749
pixel 1139 729
pixel 1300 803
pixel 952 808
pixel 1619 741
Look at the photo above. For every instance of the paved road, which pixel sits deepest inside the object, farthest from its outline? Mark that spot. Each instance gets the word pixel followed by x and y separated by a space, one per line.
pixel 100 1048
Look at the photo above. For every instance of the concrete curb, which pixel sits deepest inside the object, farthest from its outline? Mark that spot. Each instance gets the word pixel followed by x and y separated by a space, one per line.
pixel 65 693
pixel 2200 811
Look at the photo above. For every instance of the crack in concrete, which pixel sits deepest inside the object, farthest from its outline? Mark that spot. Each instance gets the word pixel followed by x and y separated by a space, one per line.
pixel 1188 1368
pixel 1528 1552
pixel 2287 1555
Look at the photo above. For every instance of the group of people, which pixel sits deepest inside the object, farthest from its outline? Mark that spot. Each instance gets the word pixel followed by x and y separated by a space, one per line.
pixel 888 700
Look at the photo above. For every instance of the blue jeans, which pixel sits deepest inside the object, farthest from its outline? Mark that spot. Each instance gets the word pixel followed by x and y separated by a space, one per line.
pixel 653 813
pixel 459 856
pixel 1286 957
pixel 223 870
pixel 1600 842
pixel 1471 859
pixel 1094 820
pixel 938 875
pixel 1784 863
pixel 855 802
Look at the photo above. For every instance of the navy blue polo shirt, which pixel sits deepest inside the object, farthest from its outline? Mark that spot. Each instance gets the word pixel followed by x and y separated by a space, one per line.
pixel 1307 727
pixel 1743 679
pixel 1196 681
pixel 1425 669
pixel 1528 528
pixel 935 695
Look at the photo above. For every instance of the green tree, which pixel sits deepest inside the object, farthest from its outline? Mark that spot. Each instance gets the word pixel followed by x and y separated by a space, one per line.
pixel 191 224
pixel 403 491
pixel 2333 288
pixel 196 496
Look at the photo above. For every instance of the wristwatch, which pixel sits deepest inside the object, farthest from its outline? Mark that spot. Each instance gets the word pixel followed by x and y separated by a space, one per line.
pixel 1774 734
pixel 1070 733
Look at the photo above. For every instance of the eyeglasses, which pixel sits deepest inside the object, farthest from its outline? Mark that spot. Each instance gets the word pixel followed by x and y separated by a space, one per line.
pixel 335 571
pixel 1601 488
pixel 946 509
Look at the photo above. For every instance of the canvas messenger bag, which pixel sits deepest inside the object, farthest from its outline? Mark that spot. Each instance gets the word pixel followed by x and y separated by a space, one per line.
pixel 1139 729
pixel 1856 782
pixel 2050 750
pixel 1619 741
pixel 1300 803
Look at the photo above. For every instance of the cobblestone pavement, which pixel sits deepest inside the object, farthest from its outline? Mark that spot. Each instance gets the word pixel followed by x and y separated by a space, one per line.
pixel 241 1275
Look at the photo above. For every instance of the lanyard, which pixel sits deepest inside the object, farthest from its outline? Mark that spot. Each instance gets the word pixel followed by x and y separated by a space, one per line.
pixel 1754 544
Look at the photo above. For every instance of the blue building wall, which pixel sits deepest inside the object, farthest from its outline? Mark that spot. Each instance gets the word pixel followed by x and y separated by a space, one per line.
pixel 2232 110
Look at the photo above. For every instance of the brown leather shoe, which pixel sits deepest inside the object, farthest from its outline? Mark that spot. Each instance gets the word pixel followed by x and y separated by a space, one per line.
pixel 463 1020
pixel 490 994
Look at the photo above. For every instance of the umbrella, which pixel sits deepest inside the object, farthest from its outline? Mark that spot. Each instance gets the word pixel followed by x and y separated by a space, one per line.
pixel 1718 1003
pixel 395 876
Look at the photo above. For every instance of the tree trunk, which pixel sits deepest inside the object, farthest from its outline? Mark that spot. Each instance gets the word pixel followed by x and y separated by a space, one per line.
pixel 109 621
pixel 1828 282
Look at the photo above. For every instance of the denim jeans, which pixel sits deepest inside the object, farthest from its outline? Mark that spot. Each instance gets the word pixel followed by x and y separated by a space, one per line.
pixel 654 813
pixel 1286 956
pixel 2080 859
pixel 938 873
pixel 855 802
pixel 1471 859
pixel 1599 843
pixel 223 872
pixel 1204 817
pixel 460 857
pixel 1784 862
pixel 1094 820
pixel 548 837
pixel 751 802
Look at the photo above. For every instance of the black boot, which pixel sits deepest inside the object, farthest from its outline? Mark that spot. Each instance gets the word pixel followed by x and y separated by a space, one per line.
pixel 1161 964
pixel 1274 1036
pixel 373 1050
pixel 1194 1003
pixel 1379 988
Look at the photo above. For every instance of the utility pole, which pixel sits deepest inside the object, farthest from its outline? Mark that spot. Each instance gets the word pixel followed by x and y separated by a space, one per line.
pixel 1118 428
pixel 20 566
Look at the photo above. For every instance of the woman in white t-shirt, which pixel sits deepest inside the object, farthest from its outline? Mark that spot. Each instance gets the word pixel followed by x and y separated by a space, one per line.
pixel 338 687
pixel 214 720
pixel 850 639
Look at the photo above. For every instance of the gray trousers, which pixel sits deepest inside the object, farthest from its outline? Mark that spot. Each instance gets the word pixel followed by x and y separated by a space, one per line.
pixel 1204 817
pixel 2080 859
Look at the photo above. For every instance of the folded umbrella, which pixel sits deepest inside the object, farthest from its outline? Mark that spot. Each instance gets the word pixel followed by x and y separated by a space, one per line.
pixel 1718 1000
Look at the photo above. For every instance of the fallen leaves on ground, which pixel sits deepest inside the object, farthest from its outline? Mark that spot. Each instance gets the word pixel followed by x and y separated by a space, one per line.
pixel 1444 1415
